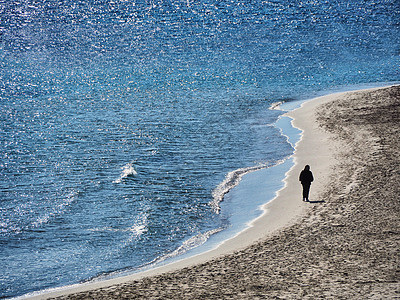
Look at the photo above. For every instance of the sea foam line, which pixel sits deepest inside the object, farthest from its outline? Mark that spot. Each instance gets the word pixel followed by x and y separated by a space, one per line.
pixel 231 180
pixel 189 244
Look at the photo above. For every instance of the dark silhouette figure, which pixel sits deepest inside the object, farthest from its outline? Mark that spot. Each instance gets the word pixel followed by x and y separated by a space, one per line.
pixel 306 177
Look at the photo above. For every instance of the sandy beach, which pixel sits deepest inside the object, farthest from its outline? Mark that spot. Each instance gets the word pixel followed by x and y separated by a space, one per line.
pixel 343 244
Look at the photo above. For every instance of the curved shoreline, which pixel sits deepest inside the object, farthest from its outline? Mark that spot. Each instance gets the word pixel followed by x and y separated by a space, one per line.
pixel 315 148
pixel 215 248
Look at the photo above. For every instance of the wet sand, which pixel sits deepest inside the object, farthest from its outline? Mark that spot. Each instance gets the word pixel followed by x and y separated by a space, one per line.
pixel 342 244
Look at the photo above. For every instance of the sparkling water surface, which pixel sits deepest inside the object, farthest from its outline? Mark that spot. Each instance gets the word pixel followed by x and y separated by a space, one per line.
pixel 124 123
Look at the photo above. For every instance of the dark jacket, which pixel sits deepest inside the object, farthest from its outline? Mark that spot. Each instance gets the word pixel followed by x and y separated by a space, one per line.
pixel 306 177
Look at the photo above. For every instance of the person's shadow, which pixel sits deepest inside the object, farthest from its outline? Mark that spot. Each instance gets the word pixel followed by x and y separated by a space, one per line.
pixel 320 201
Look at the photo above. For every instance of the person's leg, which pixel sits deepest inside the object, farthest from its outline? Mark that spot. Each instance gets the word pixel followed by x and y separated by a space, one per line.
pixel 306 191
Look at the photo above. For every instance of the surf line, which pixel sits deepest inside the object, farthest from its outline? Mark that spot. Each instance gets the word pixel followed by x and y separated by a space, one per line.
pixel 231 180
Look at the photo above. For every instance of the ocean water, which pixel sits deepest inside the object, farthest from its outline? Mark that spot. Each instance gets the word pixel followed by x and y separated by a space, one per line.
pixel 125 124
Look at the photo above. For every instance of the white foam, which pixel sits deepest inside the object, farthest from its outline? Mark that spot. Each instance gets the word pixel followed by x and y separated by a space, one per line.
pixel 137 230
pixel 231 180
pixel 189 244
pixel 276 105
pixel 127 170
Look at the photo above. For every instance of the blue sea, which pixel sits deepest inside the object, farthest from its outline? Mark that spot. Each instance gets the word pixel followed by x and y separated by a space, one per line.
pixel 126 126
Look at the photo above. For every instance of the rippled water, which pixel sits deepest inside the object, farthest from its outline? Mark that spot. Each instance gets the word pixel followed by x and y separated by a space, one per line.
pixel 124 123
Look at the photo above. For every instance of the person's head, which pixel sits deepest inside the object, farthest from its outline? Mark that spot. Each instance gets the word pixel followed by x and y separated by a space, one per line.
pixel 307 168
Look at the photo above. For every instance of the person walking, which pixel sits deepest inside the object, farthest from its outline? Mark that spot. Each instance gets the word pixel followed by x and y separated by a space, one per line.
pixel 306 177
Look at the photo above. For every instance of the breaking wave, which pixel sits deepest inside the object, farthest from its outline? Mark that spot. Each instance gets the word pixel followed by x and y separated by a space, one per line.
pixel 189 244
pixel 231 180
pixel 127 170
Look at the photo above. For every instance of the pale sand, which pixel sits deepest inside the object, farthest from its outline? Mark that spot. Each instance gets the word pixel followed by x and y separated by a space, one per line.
pixel 344 244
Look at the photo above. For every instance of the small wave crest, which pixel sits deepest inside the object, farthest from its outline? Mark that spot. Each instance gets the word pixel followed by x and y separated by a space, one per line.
pixel 57 210
pixel 137 230
pixel 231 180
pixel 31 216
pixel 189 244
pixel 276 105
pixel 127 170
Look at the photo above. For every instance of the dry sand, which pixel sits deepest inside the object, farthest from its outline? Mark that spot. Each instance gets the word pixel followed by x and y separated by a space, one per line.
pixel 343 244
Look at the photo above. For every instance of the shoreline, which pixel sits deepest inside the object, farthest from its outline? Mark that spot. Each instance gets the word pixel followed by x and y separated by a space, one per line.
pixel 316 148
